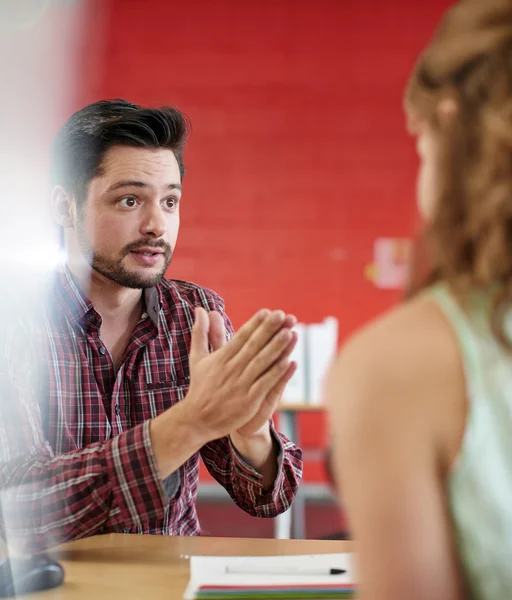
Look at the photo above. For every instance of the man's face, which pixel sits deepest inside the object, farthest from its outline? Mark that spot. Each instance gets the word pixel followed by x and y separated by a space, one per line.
pixel 128 225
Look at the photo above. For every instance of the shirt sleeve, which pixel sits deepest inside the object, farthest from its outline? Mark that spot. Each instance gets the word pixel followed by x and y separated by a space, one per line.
pixel 242 482
pixel 47 499
pixel 245 485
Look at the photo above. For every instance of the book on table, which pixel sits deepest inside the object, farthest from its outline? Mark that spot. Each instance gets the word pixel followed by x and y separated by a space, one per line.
pixel 312 576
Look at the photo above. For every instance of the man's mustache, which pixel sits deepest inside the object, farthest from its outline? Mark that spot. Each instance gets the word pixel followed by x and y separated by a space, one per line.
pixel 148 244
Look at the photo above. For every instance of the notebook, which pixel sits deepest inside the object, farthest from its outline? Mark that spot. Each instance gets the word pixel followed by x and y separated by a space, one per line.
pixel 272 577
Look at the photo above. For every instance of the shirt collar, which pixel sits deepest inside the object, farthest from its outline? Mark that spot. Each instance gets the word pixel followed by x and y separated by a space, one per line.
pixel 79 308
pixel 153 300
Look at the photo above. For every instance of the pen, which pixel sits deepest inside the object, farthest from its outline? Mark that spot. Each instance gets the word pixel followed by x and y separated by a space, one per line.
pixel 245 570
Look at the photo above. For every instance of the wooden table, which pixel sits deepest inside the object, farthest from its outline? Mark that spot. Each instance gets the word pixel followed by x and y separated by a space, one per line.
pixel 146 567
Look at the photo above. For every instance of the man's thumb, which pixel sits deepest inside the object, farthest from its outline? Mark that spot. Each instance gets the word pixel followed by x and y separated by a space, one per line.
pixel 199 338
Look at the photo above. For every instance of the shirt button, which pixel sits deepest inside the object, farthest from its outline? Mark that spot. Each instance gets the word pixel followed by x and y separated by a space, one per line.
pixel 102 350
pixel 118 409
pixel 144 316
pixel 91 317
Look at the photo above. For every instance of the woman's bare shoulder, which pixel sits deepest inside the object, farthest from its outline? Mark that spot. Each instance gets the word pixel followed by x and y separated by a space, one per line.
pixel 414 330
pixel 403 369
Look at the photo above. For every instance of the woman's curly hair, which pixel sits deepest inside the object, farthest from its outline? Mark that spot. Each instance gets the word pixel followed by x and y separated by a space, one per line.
pixel 468 239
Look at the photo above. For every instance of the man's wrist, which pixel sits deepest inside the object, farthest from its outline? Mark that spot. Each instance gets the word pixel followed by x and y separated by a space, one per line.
pixel 256 449
pixel 174 439
pixel 261 435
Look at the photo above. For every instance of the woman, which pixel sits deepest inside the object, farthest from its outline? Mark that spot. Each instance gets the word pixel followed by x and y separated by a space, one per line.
pixel 421 400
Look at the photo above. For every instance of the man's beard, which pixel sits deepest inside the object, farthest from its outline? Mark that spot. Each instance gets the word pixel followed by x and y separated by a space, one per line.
pixel 114 269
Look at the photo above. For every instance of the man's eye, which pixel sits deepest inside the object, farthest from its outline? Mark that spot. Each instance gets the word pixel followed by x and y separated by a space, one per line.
pixel 171 203
pixel 128 202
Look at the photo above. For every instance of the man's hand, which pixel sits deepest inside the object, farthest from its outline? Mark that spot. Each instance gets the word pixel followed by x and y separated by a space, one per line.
pixel 236 387
pixel 233 390
pixel 259 425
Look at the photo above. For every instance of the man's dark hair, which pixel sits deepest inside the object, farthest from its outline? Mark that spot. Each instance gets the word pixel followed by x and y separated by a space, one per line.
pixel 80 146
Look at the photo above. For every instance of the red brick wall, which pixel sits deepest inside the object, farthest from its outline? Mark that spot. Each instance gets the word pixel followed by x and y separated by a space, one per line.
pixel 298 159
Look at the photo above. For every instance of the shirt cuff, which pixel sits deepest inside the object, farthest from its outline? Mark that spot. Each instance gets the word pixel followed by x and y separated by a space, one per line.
pixel 137 488
pixel 252 478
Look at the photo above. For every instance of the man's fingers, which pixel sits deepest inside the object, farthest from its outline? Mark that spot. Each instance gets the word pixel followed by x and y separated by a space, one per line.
pixel 279 348
pixel 274 395
pixel 254 336
pixel 266 382
pixel 271 402
pixel 286 351
pixel 266 357
pixel 240 338
pixel 289 349
pixel 199 337
pixel 290 321
pixel 217 333
pixel 260 338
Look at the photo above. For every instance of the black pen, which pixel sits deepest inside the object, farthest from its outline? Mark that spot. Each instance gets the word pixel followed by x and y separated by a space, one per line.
pixel 270 570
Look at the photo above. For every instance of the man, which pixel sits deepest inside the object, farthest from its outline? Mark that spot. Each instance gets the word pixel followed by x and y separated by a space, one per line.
pixel 141 375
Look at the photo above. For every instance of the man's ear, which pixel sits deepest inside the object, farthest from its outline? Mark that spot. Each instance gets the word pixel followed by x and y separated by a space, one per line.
pixel 63 207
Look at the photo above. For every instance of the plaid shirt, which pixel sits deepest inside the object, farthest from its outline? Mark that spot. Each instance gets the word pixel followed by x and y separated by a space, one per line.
pixel 80 462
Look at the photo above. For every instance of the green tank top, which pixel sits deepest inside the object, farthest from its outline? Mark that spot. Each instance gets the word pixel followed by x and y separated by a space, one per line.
pixel 480 483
